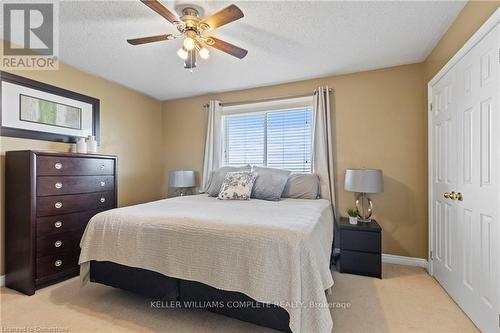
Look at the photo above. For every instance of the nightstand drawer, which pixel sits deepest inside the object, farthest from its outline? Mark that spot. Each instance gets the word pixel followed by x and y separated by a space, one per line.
pixel 367 241
pixel 362 263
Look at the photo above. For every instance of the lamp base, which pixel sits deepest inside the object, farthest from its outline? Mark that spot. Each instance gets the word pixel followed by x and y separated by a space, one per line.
pixel 183 191
pixel 365 207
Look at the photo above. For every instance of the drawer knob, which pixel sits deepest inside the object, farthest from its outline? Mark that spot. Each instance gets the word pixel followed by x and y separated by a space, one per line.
pixel 58 205
pixel 58 244
pixel 103 199
pixel 103 184
pixel 58 185
pixel 102 166
pixel 58 165
pixel 58 224
pixel 58 263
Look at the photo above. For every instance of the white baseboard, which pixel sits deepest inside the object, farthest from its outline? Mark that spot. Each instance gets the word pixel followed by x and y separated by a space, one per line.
pixel 408 261
pixel 2 280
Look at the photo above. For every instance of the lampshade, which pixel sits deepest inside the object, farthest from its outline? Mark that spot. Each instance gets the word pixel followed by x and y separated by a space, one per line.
pixel 181 178
pixel 364 180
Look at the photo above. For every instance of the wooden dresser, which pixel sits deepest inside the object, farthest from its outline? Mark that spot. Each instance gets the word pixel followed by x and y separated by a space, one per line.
pixel 49 199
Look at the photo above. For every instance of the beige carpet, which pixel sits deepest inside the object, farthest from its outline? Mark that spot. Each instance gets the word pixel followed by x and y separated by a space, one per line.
pixel 406 300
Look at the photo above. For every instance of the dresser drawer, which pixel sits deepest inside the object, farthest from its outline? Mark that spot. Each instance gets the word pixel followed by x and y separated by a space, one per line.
pixel 55 264
pixel 61 204
pixel 367 241
pixel 78 166
pixel 59 243
pixel 59 185
pixel 56 224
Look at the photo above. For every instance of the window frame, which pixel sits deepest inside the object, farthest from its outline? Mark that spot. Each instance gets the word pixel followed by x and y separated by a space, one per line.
pixel 265 107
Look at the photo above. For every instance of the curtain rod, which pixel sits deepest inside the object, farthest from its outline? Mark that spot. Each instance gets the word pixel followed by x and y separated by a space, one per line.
pixel 264 99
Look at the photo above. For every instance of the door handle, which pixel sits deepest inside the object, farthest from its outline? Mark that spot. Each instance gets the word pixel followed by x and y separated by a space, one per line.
pixel 446 195
pixel 453 195
pixel 460 196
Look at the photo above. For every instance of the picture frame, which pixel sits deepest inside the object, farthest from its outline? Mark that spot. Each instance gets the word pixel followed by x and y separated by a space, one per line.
pixel 35 110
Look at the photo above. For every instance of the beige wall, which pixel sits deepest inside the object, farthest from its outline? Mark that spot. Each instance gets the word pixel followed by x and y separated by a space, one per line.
pixel 472 16
pixel 379 124
pixel 131 128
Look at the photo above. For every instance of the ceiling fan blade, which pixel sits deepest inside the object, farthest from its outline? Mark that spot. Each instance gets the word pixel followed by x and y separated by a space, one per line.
pixel 150 39
pixel 229 48
pixel 162 10
pixel 227 15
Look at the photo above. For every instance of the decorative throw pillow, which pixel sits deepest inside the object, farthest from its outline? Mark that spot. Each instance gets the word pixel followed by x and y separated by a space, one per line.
pixel 217 177
pixel 302 186
pixel 269 183
pixel 237 186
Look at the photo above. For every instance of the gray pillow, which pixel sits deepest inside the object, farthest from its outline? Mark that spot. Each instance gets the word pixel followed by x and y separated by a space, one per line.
pixel 269 183
pixel 302 186
pixel 217 177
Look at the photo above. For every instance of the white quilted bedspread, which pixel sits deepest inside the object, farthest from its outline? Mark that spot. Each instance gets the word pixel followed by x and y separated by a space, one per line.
pixel 274 252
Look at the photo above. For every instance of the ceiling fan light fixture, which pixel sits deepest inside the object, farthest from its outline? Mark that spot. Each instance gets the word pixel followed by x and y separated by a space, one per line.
pixel 204 53
pixel 189 43
pixel 182 53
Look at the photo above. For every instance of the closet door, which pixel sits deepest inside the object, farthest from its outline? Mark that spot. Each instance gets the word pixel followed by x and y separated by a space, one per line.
pixel 444 176
pixel 479 182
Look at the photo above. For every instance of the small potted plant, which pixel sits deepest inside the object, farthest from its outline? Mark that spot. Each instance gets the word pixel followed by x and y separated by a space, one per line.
pixel 353 215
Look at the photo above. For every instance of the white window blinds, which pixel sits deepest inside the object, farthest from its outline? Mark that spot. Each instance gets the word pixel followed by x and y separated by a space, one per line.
pixel 244 139
pixel 276 139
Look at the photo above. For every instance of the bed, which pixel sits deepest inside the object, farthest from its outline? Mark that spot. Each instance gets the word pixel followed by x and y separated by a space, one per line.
pixel 274 254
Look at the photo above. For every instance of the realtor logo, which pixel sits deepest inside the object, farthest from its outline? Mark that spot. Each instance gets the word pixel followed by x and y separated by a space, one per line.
pixel 29 36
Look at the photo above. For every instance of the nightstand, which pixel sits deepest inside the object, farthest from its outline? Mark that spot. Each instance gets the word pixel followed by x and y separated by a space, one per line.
pixel 360 248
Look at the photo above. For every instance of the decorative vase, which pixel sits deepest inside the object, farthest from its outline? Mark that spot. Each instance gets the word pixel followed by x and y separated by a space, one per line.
pixel 91 144
pixel 81 146
pixel 353 220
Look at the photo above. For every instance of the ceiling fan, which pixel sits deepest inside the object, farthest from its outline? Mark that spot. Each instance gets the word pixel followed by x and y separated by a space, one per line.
pixel 194 30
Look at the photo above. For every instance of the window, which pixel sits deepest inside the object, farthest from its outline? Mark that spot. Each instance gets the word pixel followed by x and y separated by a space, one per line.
pixel 279 137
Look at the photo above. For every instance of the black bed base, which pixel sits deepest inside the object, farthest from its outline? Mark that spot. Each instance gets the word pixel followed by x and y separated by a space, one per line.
pixel 186 293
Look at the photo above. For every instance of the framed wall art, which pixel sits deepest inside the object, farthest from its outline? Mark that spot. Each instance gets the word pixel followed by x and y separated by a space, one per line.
pixel 35 110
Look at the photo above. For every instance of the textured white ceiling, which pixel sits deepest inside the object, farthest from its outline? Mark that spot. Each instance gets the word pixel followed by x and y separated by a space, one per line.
pixel 287 41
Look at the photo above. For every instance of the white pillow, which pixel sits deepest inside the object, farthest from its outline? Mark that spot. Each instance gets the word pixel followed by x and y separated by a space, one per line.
pixel 237 186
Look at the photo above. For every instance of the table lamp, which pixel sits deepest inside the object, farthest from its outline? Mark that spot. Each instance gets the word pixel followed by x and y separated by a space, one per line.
pixel 364 181
pixel 181 180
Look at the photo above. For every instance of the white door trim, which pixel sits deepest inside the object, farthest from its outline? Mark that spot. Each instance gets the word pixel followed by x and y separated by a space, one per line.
pixel 491 23
pixel 2 280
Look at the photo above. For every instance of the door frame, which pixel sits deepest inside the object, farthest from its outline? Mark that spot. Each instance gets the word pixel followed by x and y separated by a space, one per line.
pixel 490 24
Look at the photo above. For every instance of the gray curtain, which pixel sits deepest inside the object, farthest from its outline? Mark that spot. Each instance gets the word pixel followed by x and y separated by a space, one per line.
pixel 213 142
pixel 323 143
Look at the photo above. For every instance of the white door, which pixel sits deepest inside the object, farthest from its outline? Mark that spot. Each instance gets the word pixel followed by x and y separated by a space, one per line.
pixel 465 161
pixel 444 182
pixel 479 181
